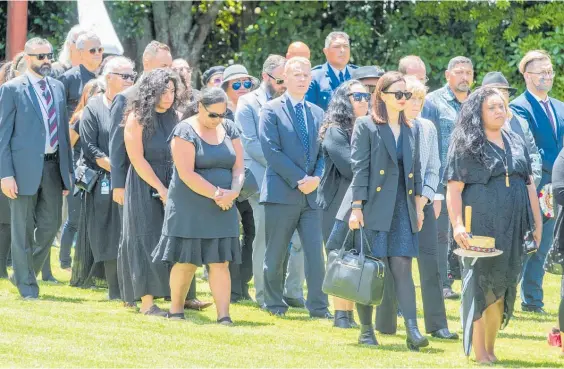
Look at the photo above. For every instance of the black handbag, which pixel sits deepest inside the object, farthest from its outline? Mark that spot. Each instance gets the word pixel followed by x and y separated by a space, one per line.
pixel 352 275
pixel 85 177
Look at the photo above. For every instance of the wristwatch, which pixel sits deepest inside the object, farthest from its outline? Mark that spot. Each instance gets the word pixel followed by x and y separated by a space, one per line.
pixel 356 206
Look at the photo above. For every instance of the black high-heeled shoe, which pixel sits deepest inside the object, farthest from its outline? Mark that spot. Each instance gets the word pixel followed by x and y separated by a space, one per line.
pixel 367 336
pixel 415 340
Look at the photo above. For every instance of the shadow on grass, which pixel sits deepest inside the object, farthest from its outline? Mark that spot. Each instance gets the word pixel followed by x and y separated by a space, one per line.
pixel 199 319
pixel 397 348
pixel 530 364
pixel 517 336
pixel 75 300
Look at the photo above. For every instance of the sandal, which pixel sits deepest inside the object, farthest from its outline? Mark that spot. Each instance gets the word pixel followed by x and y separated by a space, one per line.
pixel 177 316
pixel 226 320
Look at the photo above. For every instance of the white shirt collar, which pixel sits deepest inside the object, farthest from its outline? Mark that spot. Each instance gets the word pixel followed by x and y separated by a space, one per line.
pixel 337 71
pixel 294 101
pixel 106 101
pixel 33 78
pixel 536 97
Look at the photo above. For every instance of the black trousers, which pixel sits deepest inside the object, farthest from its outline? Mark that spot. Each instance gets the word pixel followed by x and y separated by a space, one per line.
pixel 35 221
pixel 241 274
pixel 5 242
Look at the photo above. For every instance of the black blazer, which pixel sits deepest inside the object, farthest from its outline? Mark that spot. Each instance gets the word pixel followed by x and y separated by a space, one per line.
pixel 376 171
pixel 558 193
pixel 336 148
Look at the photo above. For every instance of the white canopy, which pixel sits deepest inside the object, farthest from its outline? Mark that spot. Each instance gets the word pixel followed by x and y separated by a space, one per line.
pixel 92 15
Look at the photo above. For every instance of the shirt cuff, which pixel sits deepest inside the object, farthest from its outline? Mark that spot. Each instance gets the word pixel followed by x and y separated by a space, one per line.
pixel 428 193
pixel 438 196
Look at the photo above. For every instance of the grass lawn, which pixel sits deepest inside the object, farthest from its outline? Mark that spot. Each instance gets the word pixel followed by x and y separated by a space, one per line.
pixel 70 327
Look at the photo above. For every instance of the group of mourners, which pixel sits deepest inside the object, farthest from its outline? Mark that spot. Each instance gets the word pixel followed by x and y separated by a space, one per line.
pixel 253 179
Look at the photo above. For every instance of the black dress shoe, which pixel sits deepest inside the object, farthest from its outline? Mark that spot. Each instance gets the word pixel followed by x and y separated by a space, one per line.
pixel 321 315
pixel 341 319
pixel 51 279
pixel 533 309
pixel 295 303
pixel 444 334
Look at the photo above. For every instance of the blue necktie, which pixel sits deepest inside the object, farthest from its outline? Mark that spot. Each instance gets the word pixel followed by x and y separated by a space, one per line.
pixel 303 130
pixel 341 77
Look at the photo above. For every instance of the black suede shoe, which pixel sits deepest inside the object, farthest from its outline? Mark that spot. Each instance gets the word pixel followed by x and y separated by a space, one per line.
pixel 367 336
pixel 341 319
pixel 321 315
pixel 444 334
pixel 295 303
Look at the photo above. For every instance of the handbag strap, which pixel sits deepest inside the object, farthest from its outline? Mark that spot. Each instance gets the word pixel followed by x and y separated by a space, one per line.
pixel 362 239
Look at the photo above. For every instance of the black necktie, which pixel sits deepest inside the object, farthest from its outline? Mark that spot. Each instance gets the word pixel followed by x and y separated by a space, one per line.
pixel 341 77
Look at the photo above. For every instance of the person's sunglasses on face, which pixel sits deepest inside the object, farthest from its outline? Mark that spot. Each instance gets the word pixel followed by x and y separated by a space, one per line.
pixel 246 84
pixel 399 94
pixel 214 115
pixel 359 96
pixel 49 56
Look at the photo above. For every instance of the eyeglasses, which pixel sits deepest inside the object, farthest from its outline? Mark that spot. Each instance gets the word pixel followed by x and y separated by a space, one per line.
pixel 277 80
pixel 49 56
pixel 371 88
pixel 215 115
pixel 545 73
pixel 93 51
pixel 237 85
pixel 126 76
pixel 399 94
pixel 359 96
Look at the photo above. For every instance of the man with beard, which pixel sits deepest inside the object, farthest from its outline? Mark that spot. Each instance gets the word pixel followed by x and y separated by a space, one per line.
pixel 35 162
pixel 188 104
pixel 247 117
pixel 447 102
pixel 545 116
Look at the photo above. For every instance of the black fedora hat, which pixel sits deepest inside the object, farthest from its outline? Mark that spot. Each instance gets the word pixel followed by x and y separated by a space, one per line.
pixel 498 80
pixel 371 71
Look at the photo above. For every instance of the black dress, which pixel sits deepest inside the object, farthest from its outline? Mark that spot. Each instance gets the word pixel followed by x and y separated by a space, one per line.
pixel 195 229
pixel 143 214
pixel 497 211
pixel 103 224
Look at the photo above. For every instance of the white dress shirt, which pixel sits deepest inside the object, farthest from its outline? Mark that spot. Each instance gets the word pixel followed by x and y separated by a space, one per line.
pixel 295 102
pixel 34 80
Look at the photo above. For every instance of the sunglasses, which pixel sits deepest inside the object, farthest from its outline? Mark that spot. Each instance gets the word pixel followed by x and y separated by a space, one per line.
pixel 399 94
pixel 359 96
pixel 49 56
pixel 215 115
pixel 371 88
pixel 93 51
pixel 278 81
pixel 237 85
pixel 126 76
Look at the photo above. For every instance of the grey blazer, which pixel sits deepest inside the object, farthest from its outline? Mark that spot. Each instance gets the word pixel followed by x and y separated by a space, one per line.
pixel 23 134
pixel 285 153
pixel 376 171
pixel 247 117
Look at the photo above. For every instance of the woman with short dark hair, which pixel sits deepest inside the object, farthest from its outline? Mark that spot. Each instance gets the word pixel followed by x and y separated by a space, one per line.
pixel 384 199
pixel 201 224
pixel 489 169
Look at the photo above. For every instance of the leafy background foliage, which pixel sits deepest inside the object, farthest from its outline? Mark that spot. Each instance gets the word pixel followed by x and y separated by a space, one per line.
pixel 494 34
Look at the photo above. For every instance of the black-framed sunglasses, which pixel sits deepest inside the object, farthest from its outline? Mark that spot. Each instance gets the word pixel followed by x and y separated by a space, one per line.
pixel 246 84
pixel 399 94
pixel 213 115
pixel 49 56
pixel 371 88
pixel 359 96
pixel 277 80
pixel 93 51
pixel 126 76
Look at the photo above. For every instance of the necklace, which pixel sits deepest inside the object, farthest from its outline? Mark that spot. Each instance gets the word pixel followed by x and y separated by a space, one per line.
pixel 503 160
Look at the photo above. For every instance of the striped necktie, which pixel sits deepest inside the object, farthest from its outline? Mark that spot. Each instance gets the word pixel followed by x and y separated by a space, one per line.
pixel 51 114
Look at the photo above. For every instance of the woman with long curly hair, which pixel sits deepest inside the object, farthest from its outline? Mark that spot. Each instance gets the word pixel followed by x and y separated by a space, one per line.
pixel 201 224
pixel 349 102
pixel 384 198
pixel 148 124
pixel 489 169
pixel 101 214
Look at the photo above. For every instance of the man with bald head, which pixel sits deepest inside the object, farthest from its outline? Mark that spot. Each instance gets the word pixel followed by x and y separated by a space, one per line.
pixel 298 48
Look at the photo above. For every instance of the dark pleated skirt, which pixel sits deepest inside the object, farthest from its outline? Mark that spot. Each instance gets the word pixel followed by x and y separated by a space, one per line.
pixel 197 251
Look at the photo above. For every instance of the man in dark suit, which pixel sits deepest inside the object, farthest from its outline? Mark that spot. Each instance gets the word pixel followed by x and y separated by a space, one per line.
pixel 327 77
pixel 545 116
pixel 288 129
pixel 35 162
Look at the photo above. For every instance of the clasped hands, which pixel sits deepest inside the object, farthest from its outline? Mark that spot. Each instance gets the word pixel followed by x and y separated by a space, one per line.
pixel 308 184
pixel 225 198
